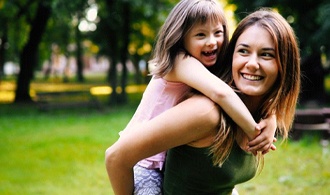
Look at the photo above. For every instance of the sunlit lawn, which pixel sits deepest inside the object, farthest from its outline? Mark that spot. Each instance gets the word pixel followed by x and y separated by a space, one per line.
pixel 59 152
pixel 62 152
pixel 295 168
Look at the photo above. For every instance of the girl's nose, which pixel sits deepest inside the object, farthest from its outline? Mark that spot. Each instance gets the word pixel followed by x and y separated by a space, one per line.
pixel 211 41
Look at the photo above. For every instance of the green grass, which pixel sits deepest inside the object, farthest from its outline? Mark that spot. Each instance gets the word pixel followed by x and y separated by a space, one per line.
pixel 294 168
pixel 58 152
pixel 62 152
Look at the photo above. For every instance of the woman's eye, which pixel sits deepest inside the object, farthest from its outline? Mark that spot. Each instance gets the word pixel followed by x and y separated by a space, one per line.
pixel 243 51
pixel 268 55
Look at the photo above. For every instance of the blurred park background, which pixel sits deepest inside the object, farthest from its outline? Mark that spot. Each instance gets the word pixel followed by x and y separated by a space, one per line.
pixel 72 74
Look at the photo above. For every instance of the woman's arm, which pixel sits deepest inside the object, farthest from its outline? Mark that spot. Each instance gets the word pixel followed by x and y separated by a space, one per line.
pixel 190 71
pixel 190 120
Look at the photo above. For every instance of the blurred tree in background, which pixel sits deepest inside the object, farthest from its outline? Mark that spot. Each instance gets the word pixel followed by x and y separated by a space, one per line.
pixel 33 29
pixel 127 30
pixel 124 31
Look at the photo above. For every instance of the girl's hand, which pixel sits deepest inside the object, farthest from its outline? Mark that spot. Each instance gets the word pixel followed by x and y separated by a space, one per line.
pixel 264 142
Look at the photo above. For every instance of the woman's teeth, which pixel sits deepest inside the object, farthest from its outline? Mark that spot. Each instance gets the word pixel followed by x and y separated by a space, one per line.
pixel 252 77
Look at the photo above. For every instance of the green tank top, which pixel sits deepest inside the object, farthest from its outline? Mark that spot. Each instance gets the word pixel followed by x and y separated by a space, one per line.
pixel 189 171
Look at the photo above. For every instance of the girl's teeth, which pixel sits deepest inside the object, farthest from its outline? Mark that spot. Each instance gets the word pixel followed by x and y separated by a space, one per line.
pixel 209 53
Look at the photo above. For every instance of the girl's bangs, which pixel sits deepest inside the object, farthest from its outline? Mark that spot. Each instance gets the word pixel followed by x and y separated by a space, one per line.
pixel 208 13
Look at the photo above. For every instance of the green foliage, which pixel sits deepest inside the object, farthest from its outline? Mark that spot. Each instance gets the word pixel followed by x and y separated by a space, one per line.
pixel 145 18
pixel 15 17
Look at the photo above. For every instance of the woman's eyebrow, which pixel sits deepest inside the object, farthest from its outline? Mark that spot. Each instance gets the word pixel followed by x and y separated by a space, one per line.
pixel 268 49
pixel 242 44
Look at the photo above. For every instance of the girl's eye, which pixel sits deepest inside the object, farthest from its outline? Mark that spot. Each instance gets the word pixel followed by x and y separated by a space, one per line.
pixel 219 32
pixel 200 34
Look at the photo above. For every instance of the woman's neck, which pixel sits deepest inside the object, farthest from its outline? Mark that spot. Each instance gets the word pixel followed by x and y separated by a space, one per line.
pixel 251 102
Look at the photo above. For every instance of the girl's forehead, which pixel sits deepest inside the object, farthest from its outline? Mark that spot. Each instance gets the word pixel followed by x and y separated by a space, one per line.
pixel 209 22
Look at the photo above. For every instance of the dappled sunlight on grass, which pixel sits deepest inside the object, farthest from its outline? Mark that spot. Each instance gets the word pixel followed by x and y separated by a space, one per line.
pixel 106 90
pixel 7 89
pixel 7 86
pixel 7 96
pixel 101 90
pixel 327 84
pixel 135 88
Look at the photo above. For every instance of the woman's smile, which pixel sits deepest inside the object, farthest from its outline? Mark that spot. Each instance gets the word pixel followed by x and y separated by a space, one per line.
pixel 251 77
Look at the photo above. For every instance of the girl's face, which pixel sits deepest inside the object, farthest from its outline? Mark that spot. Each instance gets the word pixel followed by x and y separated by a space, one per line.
pixel 204 42
pixel 254 67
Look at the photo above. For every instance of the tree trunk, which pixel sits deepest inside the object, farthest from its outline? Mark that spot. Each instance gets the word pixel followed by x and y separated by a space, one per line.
pixel 138 74
pixel 28 56
pixel 125 32
pixel 4 40
pixel 112 79
pixel 80 65
pixel 112 27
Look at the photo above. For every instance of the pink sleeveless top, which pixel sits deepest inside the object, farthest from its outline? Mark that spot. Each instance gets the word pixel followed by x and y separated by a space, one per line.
pixel 159 96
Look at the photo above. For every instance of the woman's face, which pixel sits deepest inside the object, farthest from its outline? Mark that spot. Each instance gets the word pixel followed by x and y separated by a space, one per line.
pixel 254 67
pixel 204 42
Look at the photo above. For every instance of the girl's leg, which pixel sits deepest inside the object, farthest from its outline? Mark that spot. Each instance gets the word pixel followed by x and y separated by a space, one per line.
pixel 147 181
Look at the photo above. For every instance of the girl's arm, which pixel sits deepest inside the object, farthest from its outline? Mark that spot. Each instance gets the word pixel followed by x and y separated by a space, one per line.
pixel 190 71
pixel 191 120
pixel 264 141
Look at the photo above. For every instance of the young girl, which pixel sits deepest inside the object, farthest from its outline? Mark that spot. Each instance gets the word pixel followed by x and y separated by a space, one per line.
pixel 194 34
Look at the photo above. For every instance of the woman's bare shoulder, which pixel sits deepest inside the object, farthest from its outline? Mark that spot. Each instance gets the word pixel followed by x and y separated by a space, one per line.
pixel 204 108
pixel 201 99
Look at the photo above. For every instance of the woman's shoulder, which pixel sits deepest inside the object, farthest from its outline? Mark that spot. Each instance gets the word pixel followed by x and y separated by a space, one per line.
pixel 202 99
pixel 205 114
pixel 204 107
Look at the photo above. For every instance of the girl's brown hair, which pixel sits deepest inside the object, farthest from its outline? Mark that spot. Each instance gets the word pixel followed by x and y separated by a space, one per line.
pixel 181 19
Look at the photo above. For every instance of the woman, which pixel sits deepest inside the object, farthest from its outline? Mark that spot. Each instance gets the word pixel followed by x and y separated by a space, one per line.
pixel 187 48
pixel 212 156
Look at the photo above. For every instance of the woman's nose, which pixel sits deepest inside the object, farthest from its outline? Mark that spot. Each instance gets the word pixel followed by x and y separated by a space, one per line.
pixel 252 62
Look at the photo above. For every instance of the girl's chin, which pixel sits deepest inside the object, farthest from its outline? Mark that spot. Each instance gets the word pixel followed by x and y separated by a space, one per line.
pixel 209 64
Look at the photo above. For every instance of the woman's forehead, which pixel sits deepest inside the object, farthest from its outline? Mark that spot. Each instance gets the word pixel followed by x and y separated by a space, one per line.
pixel 256 35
